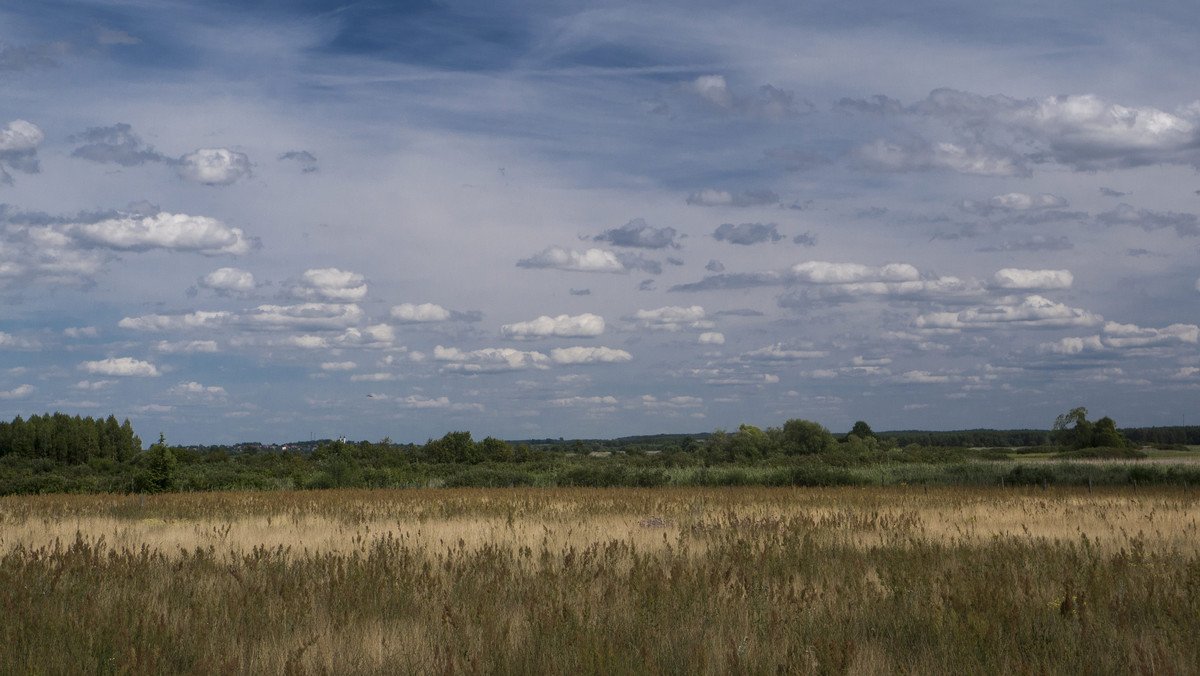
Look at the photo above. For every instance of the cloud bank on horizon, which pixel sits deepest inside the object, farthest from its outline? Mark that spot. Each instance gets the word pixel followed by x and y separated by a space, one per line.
pixel 235 223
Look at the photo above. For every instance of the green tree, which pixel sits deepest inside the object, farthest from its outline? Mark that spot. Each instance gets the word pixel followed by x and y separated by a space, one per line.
pixel 862 430
pixel 1073 429
pixel 1105 434
pixel 158 472
pixel 804 437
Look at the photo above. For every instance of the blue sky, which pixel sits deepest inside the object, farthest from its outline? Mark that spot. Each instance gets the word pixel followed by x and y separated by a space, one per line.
pixel 264 221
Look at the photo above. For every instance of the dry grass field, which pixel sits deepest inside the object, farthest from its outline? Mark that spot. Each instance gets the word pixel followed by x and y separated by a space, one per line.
pixel 679 581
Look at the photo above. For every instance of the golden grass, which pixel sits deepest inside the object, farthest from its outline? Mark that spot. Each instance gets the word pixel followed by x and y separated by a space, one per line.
pixel 750 580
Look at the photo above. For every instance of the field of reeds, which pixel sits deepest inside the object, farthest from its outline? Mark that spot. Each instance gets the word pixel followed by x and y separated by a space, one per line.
pixel 669 580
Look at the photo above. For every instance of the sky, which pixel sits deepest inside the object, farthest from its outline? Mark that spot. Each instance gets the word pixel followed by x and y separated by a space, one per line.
pixel 273 221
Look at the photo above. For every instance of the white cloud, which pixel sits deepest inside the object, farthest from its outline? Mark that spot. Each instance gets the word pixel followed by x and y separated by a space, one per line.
pixel 652 402
pixel 20 136
pixel 187 347
pixel 777 352
pixel 338 366
pixel 589 402
pixel 92 385
pixel 425 312
pixel 18 392
pixel 376 336
pixel 724 198
pixel 1015 201
pixel 580 326
pixel 885 156
pixel 921 377
pixel 489 359
pixel 307 342
pixel 1073 346
pixel 1033 311
pixel 713 89
pixel 673 318
pixel 228 280
pixel 712 338
pixel 822 272
pixel 592 260
pixel 7 340
pixel 417 401
pixel 174 232
pixel 196 392
pixel 589 355
pixel 382 377
pixel 185 322
pixel 78 332
pixel 121 366
pixel 1130 335
pixel 331 284
pixel 213 166
pixel 1013 278
pixel 305 316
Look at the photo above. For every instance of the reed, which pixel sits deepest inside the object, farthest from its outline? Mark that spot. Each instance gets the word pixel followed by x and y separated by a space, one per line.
pixel 743 580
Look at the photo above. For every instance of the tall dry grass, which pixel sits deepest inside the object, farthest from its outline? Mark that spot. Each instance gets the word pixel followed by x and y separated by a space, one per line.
pixel 748 580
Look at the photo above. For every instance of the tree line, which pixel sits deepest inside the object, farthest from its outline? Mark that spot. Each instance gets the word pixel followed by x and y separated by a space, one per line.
pixel 59 453
pixel 71 440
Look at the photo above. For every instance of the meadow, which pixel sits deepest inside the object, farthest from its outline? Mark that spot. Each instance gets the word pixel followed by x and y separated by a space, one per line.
pixel 849 580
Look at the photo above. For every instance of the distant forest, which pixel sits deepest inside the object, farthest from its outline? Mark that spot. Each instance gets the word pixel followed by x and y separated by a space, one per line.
pixel 55 453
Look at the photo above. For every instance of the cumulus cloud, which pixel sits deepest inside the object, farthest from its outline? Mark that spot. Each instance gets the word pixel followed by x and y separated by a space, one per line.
pixel 213 166
pixel 747 233
pixel 416 401
pixel 1013 278
pixel 305 316
pixel 921 377
pixel 174 232
pixel 589 355
pixel 723 198
pixel 376 336
pixel 1184 224
pixel 580 326
pixel 1083 132
pixel 769 101
pixel 638 234
pixel 93 385
pixel 823 272
pixel 1032 312
pixel 423 313
pixel 338 366
pixel 187 347
pixel 712 338
pixel 1115 337
pixel 589 402
pixel 179 322
pixel 228 280
pixel 712 88
pixel 672 318
pixel 195 392
pixel 305 159
pixel 331 284
pixel 116 144
pixel 121 366
pixel 1130 335
pixel 778 352
pixel 592 260
pixel 19 141
pixel 40 248
pixel 1014 201
pixel 976 159
pixel 18 392
pixel 489 360
pixel 652 402
pixel 1033 243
